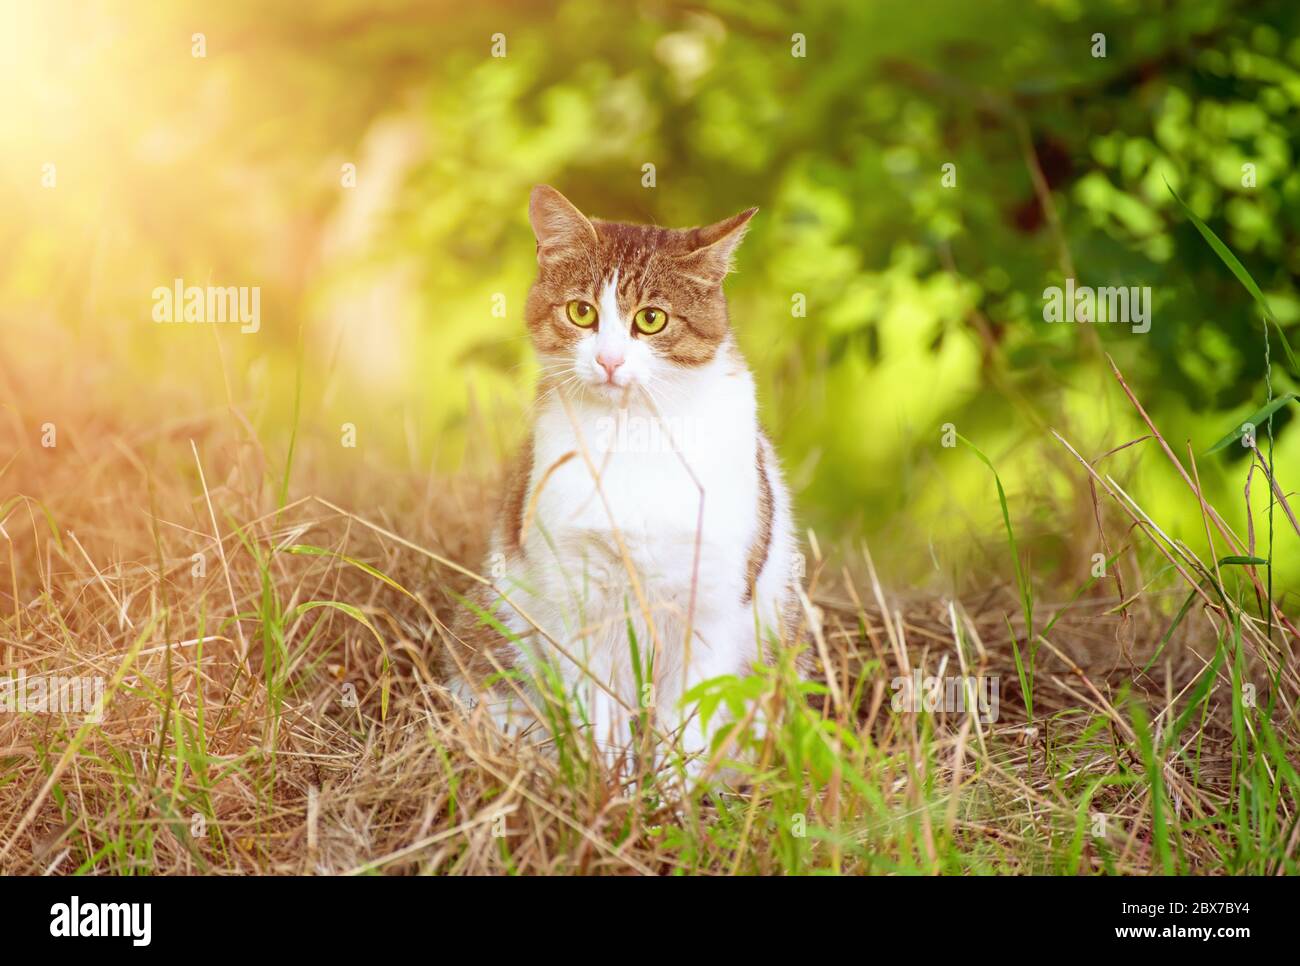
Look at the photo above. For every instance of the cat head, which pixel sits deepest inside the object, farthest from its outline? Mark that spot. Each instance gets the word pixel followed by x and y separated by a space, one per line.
pixel 617 307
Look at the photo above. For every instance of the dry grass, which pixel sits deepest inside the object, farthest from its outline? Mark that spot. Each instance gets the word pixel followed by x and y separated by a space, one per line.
pixel 231 743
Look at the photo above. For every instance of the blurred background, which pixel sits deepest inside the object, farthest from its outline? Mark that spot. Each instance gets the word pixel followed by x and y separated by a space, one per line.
pixel 367 165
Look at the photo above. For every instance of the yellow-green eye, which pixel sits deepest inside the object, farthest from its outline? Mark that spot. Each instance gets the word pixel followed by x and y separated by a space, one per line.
pixel 650 320
pixel 582 313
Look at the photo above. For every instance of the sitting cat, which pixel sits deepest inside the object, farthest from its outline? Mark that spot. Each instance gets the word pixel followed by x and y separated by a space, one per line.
pixel 646 541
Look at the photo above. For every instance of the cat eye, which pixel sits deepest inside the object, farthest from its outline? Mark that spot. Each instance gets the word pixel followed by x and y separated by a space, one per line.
pixel 582 313
pixel 650 320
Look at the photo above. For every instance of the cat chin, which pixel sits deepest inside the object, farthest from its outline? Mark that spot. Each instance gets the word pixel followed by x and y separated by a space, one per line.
pixel 614 394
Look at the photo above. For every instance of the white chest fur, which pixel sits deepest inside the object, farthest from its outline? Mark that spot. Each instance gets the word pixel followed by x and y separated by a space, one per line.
pixel 649 485
pixel 643 527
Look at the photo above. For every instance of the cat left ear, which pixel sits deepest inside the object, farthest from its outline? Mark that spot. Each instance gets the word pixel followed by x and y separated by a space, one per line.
pixel 709 260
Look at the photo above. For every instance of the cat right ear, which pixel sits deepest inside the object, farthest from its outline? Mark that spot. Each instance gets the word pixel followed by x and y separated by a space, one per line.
pixel 559 226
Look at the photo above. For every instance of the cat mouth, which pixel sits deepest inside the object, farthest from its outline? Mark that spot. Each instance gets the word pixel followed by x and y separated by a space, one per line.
pixel 612 391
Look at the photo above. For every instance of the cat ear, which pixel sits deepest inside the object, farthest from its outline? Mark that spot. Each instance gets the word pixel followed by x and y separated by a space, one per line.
pixel 712 247
pixel 558 225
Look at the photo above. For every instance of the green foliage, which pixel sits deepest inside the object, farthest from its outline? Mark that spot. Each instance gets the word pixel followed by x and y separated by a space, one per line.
pixel 923 294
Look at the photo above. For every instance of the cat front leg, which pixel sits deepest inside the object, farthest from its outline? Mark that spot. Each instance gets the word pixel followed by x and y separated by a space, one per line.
pixel 722 645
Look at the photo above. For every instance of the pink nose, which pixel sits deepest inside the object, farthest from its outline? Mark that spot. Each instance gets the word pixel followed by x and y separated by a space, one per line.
pixel 610 363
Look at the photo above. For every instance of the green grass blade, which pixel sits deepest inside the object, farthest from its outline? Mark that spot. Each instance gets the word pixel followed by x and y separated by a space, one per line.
pixel 1244 277
pixel 1257 418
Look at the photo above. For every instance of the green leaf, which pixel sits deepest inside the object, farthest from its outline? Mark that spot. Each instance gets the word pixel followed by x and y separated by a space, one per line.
pixel 357 615
pixel 303 549
pixel 1191 599
pixel 1023 581
pixel 1025 689
pixel 1234 265
pixel 1198 696
pixel 1255 419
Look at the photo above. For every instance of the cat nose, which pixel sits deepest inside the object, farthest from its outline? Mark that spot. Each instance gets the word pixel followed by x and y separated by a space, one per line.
pixel 609 361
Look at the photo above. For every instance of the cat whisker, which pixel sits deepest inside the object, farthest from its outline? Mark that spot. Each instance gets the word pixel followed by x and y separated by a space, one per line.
pixel 553 391
pixel 657 402
pixel 556 371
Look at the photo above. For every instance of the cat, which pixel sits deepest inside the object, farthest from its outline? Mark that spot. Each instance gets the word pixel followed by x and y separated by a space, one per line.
pixel 646 486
